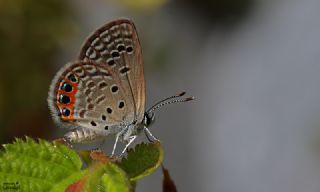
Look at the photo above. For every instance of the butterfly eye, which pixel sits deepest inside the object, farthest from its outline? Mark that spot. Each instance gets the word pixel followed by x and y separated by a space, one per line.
pixel 66 87
pixel 148 119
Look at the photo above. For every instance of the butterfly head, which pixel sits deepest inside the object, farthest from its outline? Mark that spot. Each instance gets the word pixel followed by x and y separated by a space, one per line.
pixel 148 119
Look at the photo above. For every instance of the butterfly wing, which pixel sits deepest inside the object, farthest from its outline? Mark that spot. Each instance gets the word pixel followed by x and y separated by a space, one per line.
pixel 117 45
pixel 105 90
pixel 89 95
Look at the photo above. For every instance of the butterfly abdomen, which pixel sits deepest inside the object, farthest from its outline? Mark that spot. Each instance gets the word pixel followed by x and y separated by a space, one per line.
pixel 83 136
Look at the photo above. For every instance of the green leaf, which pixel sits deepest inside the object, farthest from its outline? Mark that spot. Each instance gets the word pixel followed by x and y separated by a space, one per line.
pixel 42 166
pixel 38 166
pixel 115 179
pixel 142 160
pixel 102 177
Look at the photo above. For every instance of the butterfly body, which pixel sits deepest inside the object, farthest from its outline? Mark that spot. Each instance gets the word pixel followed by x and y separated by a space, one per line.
pixel 102 93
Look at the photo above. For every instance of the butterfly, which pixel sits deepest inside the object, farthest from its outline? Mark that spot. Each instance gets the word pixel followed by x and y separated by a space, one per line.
pixel 102 93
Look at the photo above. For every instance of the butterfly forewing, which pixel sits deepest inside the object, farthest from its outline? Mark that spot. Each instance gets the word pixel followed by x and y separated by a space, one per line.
pixel 117 46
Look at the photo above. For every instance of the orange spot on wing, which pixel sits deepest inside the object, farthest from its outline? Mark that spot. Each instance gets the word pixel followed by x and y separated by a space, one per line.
pixel 70 105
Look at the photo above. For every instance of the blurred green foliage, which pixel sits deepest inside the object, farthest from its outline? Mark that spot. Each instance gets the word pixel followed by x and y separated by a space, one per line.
pixel 31 34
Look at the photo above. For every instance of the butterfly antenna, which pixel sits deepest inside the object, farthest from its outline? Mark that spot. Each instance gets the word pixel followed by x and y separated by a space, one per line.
pixel 170 100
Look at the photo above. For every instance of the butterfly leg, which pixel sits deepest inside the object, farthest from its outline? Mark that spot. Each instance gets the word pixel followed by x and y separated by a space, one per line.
pixel 131 139
pixel 115 143
pixel 120 134
pixel 148 133
pixel 129 136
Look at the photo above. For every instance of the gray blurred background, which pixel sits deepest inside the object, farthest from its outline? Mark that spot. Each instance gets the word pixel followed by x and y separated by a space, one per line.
pixel 252 65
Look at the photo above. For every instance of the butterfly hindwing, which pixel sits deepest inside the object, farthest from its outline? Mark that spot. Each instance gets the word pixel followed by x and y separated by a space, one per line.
pixel 89 95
